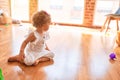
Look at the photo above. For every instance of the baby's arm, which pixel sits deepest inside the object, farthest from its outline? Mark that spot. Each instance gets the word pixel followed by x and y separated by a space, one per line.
pixel 30 38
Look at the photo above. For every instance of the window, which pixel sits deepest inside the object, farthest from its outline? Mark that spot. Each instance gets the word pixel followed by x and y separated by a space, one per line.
pixel 104 7
pixel 20 9
pixel 63 11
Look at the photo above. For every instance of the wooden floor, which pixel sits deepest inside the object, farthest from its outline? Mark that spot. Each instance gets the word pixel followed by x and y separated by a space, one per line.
pixel 80 54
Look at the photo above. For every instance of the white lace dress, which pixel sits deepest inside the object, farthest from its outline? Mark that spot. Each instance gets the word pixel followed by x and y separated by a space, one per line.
pixel 36 49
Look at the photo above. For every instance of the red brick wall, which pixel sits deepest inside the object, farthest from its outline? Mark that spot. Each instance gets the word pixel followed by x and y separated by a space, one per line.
pixel 5 5
pixel 89 12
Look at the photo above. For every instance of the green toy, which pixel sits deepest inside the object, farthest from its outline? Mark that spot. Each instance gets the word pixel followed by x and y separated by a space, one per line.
pixel 1 76
pixel 6 24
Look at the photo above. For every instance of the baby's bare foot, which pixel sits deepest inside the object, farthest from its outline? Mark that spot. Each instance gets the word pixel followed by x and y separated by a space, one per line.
pixel 36 62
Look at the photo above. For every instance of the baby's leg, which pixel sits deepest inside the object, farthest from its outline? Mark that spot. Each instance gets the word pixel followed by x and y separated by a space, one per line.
pixel 15 59
pixel 42 59
pixel 47 57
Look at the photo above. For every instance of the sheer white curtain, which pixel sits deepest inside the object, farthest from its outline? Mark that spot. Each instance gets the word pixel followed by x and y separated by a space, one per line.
pixel 64 11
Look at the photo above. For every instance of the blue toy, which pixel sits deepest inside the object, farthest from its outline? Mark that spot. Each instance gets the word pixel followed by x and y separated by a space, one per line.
pixel 112 56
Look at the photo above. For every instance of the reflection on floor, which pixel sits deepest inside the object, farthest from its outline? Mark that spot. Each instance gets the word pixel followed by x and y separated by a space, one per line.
pixel 80 54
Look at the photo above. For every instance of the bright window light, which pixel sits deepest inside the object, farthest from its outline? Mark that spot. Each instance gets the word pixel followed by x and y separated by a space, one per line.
pixel 102 8
pixel 63 11
pixel 20 9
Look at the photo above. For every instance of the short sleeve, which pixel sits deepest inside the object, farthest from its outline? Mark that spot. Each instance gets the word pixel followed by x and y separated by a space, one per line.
pixel 29 32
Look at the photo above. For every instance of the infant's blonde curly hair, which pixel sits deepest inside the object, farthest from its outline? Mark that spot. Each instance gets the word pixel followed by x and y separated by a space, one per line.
pixel 40 18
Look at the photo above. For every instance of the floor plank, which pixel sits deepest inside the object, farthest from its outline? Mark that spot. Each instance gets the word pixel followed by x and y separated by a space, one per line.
pixel 80 54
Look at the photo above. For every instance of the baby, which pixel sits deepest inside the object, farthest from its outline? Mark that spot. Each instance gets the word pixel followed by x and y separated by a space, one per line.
pixel 34 49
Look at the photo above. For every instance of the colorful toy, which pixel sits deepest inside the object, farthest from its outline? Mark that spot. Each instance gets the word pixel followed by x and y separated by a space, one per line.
pixel 6 25
pixel 112 56
pixel 1 75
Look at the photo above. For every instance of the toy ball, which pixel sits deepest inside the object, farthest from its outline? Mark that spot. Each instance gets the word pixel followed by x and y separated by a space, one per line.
pixel 112 56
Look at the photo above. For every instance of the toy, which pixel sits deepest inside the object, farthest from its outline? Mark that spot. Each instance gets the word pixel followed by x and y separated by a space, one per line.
pixel 112 56
pixel 1 75
pixel 6 25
